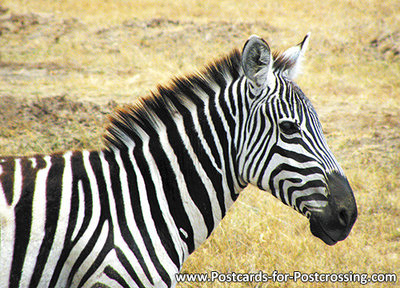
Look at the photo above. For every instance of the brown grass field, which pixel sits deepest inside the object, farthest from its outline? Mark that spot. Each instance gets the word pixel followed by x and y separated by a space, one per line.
pixel 65 64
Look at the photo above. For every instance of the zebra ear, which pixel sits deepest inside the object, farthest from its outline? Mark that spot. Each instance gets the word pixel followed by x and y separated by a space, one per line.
pixel 289 62
pixel 256 60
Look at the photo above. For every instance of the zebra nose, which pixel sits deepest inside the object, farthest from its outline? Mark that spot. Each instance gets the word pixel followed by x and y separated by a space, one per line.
pixel 343 199
pixel 334 222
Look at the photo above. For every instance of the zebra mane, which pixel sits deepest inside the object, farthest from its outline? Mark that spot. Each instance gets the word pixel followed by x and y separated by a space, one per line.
pixel 131 121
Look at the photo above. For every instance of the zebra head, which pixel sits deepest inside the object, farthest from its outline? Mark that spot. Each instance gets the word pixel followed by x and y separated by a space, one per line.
pixel 284 149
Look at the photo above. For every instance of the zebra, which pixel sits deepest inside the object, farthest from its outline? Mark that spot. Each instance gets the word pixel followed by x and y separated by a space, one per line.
pixel 130 214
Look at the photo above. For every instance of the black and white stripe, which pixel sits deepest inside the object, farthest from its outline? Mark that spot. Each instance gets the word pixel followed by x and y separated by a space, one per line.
pixel 174 162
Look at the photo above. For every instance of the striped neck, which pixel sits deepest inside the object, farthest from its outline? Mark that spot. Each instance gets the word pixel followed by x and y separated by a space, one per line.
pixel 182 139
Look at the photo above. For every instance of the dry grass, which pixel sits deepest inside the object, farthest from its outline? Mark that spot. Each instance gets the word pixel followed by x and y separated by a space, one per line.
pixel 97 51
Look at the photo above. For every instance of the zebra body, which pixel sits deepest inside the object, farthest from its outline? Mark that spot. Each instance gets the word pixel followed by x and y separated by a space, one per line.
pixel 129 215
pixel 79 223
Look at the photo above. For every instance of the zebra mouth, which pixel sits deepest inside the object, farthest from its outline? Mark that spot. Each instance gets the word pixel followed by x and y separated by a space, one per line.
pixel 318 231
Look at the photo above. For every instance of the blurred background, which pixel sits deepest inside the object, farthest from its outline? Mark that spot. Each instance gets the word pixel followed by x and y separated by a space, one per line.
pixel 64 65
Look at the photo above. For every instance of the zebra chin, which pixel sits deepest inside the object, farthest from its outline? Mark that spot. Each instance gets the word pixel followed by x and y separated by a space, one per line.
pixel 334 222
pixel 318 231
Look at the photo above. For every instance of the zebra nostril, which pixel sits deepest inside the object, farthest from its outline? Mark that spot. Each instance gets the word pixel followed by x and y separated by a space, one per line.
pixel 343 217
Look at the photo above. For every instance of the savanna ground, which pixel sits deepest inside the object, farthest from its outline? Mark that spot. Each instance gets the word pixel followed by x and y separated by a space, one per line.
pixel 64 65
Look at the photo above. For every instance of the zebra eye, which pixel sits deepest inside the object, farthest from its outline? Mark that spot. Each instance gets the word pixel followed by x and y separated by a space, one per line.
pixel 289 127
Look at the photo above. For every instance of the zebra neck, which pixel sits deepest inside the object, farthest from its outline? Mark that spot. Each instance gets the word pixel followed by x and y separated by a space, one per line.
pixel 180 145
pixel 181 175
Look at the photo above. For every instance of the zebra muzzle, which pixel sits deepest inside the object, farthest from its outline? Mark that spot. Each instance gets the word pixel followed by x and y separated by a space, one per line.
pixel 334 222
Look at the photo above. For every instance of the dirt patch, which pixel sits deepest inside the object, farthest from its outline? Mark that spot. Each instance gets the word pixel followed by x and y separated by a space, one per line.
pixel 32 34
pixel 38 25
pixel 65 124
